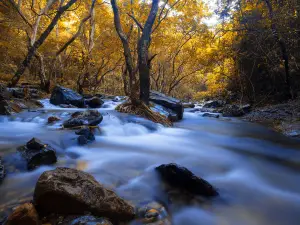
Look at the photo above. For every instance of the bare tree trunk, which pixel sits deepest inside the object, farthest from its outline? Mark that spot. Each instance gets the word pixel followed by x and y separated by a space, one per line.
pixel 127 50
pixel 283 48
pixel 45 84
pixel 38 43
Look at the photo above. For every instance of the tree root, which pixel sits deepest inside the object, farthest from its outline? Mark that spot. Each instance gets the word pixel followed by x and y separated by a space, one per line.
pixel 141 109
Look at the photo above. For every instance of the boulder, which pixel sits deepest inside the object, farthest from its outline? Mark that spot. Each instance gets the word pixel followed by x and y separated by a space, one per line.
pixel 84 118
pixel 61 95
pixel 168 102
pixel 85 136
pixel 36 153
pixel 90 220
pixel 24 214
pixel 53 119
pixel 5 108
pixel 213 104
pixel 94 102
pixel 232 111
pixel 177 177
pixel 20 92
pixel 171 115
pixel 211 115
pixel 2 171
pixel 69 191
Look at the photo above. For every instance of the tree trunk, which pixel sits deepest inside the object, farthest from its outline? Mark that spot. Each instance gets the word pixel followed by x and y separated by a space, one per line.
pixel 143 54
pixel 283 49
pixel 38 43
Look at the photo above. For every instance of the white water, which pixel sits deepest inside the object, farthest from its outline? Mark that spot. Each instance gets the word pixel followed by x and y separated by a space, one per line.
pixel 256 171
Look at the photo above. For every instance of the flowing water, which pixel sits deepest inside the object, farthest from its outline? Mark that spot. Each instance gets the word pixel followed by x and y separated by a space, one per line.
pixel 256 170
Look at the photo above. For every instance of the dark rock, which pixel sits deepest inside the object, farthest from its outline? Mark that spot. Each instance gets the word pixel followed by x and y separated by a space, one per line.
pixel 90 220
pixel 24 214
pixel 188 105
pixel 214 104
pixel 53 119
pixel 168 102
pixel 24 92
pixel 86 132
pixel 82 140
pixel 181 178
pixel 211 115
pixel 5 108
pixel 69 191
pixel 171 115
pixel 94 102
pixel 246 108
pixel 61 95
pixel 2 171
pixel 232 111
pixel 36 154
pixel 87 118
pixel 87 96
pixel 35 144
pixel 153 213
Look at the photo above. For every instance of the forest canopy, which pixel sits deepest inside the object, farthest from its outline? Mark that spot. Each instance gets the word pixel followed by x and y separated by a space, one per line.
pixel 251 54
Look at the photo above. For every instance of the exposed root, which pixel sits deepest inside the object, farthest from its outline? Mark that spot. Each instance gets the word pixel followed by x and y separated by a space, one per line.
pixel 143 110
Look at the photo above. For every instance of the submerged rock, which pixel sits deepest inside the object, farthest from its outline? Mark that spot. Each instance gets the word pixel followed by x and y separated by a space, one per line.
pixel 181 178
pixel 70 191
pixel 61 95
pixel 211 115
pixel 53 119
pixel 24 214
pixel 153 213
pixel 85 136
pixel 87 118
pixel 168 102
pixel 2 171
pixel 36 153
pixel 94 102
pixel 90 220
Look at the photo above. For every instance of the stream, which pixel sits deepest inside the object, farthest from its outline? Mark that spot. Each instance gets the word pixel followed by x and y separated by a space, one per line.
pixel 256 170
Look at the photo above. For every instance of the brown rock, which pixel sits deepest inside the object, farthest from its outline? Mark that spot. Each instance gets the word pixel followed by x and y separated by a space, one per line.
pixel 24 215
pixel 53 119
pixel 70 191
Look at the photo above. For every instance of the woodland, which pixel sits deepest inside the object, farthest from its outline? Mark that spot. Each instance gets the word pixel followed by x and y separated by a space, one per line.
pixel 129 47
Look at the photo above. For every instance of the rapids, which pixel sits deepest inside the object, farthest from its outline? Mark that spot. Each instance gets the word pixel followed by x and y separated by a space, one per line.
pixel 256 170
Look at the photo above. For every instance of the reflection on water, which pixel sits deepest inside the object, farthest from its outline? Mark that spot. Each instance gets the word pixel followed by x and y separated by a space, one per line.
pixel 256 170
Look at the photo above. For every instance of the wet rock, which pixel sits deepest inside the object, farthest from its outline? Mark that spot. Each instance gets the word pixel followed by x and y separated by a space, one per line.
pixel 90 220
pixel 94 102
pixel 36 153
pixel 211 115
pixel 188 105
pixel 232 111
pixel 24 214
pixel 177 177
pixel 168 102
pixel 2 171
pixel 61 95
pixel 23 92
pixel 87 118
pixel 53 119
pixel 69 191
pixel 5 108
pixel 87 96
pixel 85 136
pixel 246 108
pixel 214 104
pixel 153 213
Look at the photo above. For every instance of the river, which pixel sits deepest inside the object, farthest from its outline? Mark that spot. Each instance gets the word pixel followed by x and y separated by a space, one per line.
pixel 256 171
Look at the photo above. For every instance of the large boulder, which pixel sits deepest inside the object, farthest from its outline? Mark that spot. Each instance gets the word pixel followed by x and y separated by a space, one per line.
pixel 70 191
pixel 168 102
pixel 177 177
pixel 94 102
pixel 84 118
pixel 2 171
pixel 24 214
pixel 61 95
pixel 36 153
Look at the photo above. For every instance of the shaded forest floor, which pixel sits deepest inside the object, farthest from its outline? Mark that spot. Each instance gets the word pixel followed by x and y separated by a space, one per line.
pixel 284 117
